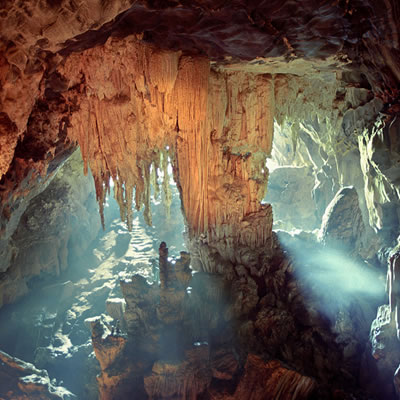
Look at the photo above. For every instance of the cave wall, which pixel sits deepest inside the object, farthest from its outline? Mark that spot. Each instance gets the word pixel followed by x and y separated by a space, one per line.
pixel 366 160
pixel 59 222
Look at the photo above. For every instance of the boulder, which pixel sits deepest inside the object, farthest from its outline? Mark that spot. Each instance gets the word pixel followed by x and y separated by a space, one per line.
pixel 342 223
pixel 20 380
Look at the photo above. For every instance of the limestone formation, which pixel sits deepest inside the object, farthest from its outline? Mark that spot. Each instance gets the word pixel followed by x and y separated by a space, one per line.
pixel 189 379
pixel 342 223
pixel 271 380
pixel 60 221
pixel 107 348
pixel 22 381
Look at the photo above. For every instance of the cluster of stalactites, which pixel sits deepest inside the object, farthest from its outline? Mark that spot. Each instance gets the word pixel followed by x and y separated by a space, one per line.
pixel 127 116
pixel 155 182
pixel 218 124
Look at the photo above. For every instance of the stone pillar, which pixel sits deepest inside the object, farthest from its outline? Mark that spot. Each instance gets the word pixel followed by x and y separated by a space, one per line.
pixel 163 265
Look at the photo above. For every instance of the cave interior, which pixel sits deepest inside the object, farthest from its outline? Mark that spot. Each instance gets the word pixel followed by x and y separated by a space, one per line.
pixel 200 199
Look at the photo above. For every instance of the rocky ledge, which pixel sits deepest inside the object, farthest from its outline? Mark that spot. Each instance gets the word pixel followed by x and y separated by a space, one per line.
pixel 22 381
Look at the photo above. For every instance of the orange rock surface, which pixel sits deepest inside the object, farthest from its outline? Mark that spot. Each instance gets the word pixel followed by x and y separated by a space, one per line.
pixel 18 92
pixel 217 127
pixel 271 381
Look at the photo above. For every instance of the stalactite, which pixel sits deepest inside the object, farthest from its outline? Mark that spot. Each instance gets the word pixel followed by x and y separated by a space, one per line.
pixel 167 200
pixel 102 187
pixel 122 105
pixel 147 194
pixel 120 195
pixel 129 211
pixel 151 104
pixel 154 168
pixel 119 198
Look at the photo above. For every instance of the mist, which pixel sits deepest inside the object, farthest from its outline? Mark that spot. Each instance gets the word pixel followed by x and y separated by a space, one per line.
pixel 330 276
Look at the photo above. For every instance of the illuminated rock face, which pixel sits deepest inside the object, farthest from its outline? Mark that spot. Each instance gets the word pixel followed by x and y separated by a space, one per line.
pixel 21 380
pixel 58 222
pixel 216 125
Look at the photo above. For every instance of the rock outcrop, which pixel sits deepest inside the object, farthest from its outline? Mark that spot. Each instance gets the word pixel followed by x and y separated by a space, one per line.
pixel 385 345
pixel 190 337
pixel 22 381
pixel 342 224
pixel 60 222
pixel 385 329
pixel 264 381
